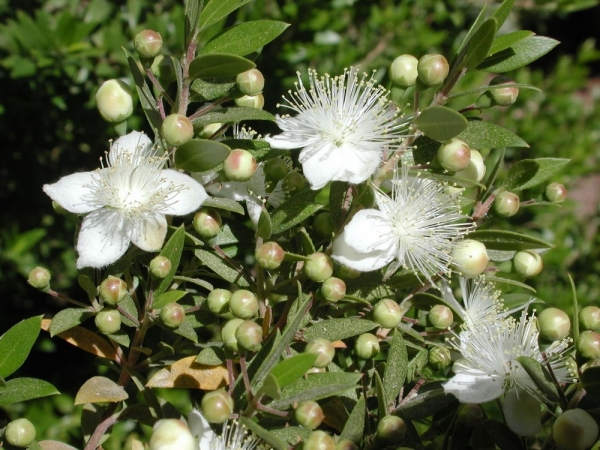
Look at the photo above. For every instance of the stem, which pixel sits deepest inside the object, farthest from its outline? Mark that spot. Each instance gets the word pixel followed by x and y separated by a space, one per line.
pixel 199 112
pixel 70 300
pixel 157 85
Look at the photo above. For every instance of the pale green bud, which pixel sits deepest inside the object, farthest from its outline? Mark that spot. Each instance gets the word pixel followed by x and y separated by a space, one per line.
pixel 439 357
pixel 172 315
pixel 528 263
pixel 207 222
pixel 556 192
pixel 506 204
pixel 249 336
pixel 240 165
pixel 469 258
pixel 39 278
pixel 251 101
pixel 333 289
pixel 172 434
pixel 475 171
pixel 112 290
pixel 391 429
pixel 318 440
pixel 403 71
pixel 319 268
pixel 269 255
pixel 218 301
pixel 20 433
pixel 160 267
pixel 114 101
pixel 554 324
pixel 432 69
pixel 506 94
pixel 588 344
pixel 441 317
pixel 589 318
pixel 250 82
pixel 367 346
pixel 454 155
pixel 243 304
pixel 148 43
pixel 177 130
pixel 208 130
pixel 575 429
pixel 324 349
pixel 346 444
pixel 228 334
pixel 108 321
pixel 309 414
pixel 387 313
pixel 216 406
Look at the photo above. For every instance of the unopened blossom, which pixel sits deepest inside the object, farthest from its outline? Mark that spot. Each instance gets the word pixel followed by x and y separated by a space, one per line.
pixel 125 201
pixel 233 437
pixel 344 124
pixel 415 227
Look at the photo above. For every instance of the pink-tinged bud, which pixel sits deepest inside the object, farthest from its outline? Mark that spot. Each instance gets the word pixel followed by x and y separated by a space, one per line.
pixel 207 222
pixel 177 130
pixel 216 406
pixel 440 317
pixel 172 315
pixel 319 268
pixel 112 290
pixel 333 289
pixel 556 192
pixel 432 69
pixel 324 349
pixel 403 71
pixel 309 414
pixel 346 444
pixel 469 258
pixel 243 304
pixel 589 318
pixel 554 324
pixel 240 165
pixel 108 321
pixel 160 267
pixel 148 43
pixel 249 336
pixel 506 94
pixel 228 334
pixel 588 344
pixel 318 440
pixel 575 429
pixel 114 101
pixel 251 101
pixel 528 263
pixel 391 429
pixel 39 278
pixel 250 82
pixel 454 155
pixel 387 313
pixel 347 272
pixel 269 255
pixel 20 433
pixel 367 346
pixel 475 171
pixel 506 204
pixel 172 434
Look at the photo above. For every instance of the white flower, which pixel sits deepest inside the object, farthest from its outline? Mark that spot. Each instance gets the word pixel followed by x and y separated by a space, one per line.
pixel 414 228
pixel 126 201
pixel 343 126
pixel 234 436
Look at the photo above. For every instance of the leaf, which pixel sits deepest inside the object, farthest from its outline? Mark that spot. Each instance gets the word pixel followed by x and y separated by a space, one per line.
pixel 355 425
pixel 87 285
pixel 501 14
pixel 506 40
pixel 100 390
pixel 23 389
pixel 220 267
pixel 200 155
pixel 210 89
pixel 55 445
pixel 338 329
pixel 340 198
pixel 216 10
pixel 147 100
pixel 416 364
pixel 394 374
pixel 127 305
pixel 528 173
pixel 16 344
pixel 68 318
pixel 167 297
pixel 480 19
pixel 187 330
pixel 480 134
pixel 430 399
pixel 518 55
pixel 441 123
pixel 172 251
pixel 540 376
pixel 219 65
pixel 590 379
pixel 503 437
pixel 510 281
pixel 294 210
pixel 188 374
pixel 265 435
pixel 211 356
pixel 264 227
pixel 85 340
pixel 291 369
pixel 193 8
pixel 425 149
pixel 480 43
pixel 223 203
pixel 245 38
pixel 232 114
pixel 508 240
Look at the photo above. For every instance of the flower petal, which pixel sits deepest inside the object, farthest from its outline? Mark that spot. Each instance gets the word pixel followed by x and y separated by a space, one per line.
pixel 74 192
pixel 254 207
pixel 149 234
pixel 188 196
pixel 134 143
pixel 474 388
pixel 523 412
pixel 103 239
pixel 201 429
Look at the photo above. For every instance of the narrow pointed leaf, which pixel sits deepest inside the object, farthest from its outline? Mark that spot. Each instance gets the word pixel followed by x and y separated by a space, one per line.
pixel 394 374
pixel 294 210
pixel 338 329
pixel 431 398
pixel 216 10
pixel 16 344
pixel 218 65
pixel 441 123
pixel 501 14
pixel 200 155
pixel 193 8
pixel 23 389
pixel 480 19
pixel 172 251
pixel 520 54
pixel 528 173
pixel 86 340
pixel 508 240
pixel 480 44
pixel 68 318
pixel 245 38
pixel 509 39
pixel 267 436
pixel 355 425
pixel 233 114
pixel 540 376
pixel 264 227
pixel 293 368
pixel 480 134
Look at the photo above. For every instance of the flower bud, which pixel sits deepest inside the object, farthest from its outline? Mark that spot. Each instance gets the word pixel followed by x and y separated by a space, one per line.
pixel 108 321
pixel 432 69
pixel 251 101
pixel 250 82
pixel 148 43
pixel 172 434
pixel 470 415
pixel 172 315
pixel 114 101
pixel 240 165
pixel 506 94
pixel 112 290
pixel 588 344
pixel 228 334
pixel 556 192
pixel 367 346
pixel 160 267
pixel 391 429
pixel 454 155
pixel 506 204
pixel 347 272
pixel 275 298
pixel 346 444
pixel 249 336
pixel 589 318
pixel 293 183
pixel 208 130
pixel 275 169
pixel 318 440
pixel 216 406
pixel 323 225
pixel 387 313
pixel 528 263
pixel 575 429
pixel 403 71
pixel 309 414
pixel 319 268
pixel 475 171
pixel 439 357
pixel 469 258
pixel 269 255
pixel 20 433
pixel 243 304
pixel 207 222
pixel 218 301
pixel 177 130
pixel 39 278
pixel 523 412
pixel 333 289
pixel 324 350
pixel 554 324
pixel 440 317
pixel 163 69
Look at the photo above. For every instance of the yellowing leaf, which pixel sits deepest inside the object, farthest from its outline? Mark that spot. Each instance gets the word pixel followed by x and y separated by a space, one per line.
pixel 100 390
pixel 85 340
pixel 188 374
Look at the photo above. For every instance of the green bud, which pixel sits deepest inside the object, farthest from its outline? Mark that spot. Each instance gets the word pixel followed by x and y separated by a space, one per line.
pixel 506 94
pixel 218 301
pixel 240 165
pixel 347 272
pixel 216 406
pixel 309 414
pixel 108 321
pixel 324 350
pixel 293 183
pixel 432 69
pixel 323 225
pixel 391 429
pixel 275 169
pixel 160 267
pixel 114 101
pixel 554 324
pixel 269 255
pixel 319 267
pixel 251 101
pixel 403 71
pixel 439 357
pixel 367 346
pixel 318 440
pixel 588 344
pixel 228 334
pixel 589 318
pixel 243 304
pixel 528 263
pixel 575 429
pixel 163 69
pixel 207 222
pixel 209 129
pixel 506 204
pixel 470 415
pixel 39 278
pixel 112 290
pixel 440 317
pixel 20 433
pixel 275 298
pixel 346 444
pixel 177 130
pixel 333 289
pixel 172 434
pixel 387 313
pixel 454 155
pixel 249 336
pixel 148 43
pixel 469 258
pixel 172 315
pixel 556 192
pixel 475 171
pixel 250 82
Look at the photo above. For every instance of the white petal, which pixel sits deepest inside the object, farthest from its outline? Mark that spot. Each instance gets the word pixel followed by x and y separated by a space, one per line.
pixel 73 192
pixel 188 198
pixel 369 230
pixel 234 190
pixel 201 429
pixel 103 239
pixel 149 234
pixel 523 412
pixel 254 207
pixel 474 388
pixel 347 255
pixel 286 141
pixel 135 142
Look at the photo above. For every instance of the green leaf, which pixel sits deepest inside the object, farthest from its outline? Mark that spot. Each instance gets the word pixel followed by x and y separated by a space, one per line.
pixel 430 399
pixel 172 251
pixel 226 204
pixel 128 305
pixel 338 329
pixel 480 134
pixel 216 10
pixel 381 405
pixel 220 267
pixel 340 198
pixel 99 390
pixel 508 240
pixel 480 19
pixel 23 389
pixel 187 331
pixel 245 38
pixel 540 376
pixel 193 8
pixel 264 227
pixel 232 233
pixel 425 149
pixel 441 123
pixel 355 425
pixel 480 43
pixel 232 114
pixel 509 281
pixel 259 431
pixel 219 65
pixel 394 374
pixel 501 14
pixel 87 285
pixel 167 297
pixel 68 318
pixel 200 155
pixel 416 364
pixel 16 344
pixel 528 173
pixel 506 40
pixel 518 55
pixel 211 356
pixel 147 100
pixel 590 379
pixel 294 210
pixel 293 368
pixel 503 437
pixel 207 90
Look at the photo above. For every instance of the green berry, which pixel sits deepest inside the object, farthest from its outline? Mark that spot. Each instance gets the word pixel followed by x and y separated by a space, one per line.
pixel 367 346
pixel 454 155
pixel 309 414
pixel 269 255
pixel 347 272
pixel 589 318
pixel 228 334
pixel 403 71
pixel 209 130
pixel 112 290
pixel 333 289
pixel 250 82
pixel 172 315
pixel 506 204
pixel 216 406
pixel 39 278
pixel 148 43
pixel 575 429
pixel 324 350
pixel 432 69
pixel 441 317
pixel 114 101
pixel 20 433
pixel 108 321
pixel 469 258
pixel 249 336
pixel 387 313
pixel 391 429
pixel 588 344
pixel 243 304
pixel 160 267
pixel 207 222
pixel 177 130
pixel 319 267
pixel 528 263
pixel 554 324
pixel 556 192
pixel 240 165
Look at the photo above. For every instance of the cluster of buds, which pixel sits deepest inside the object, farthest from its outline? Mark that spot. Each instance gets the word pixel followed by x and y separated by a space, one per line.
pixel 250 85
pixel 430 70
